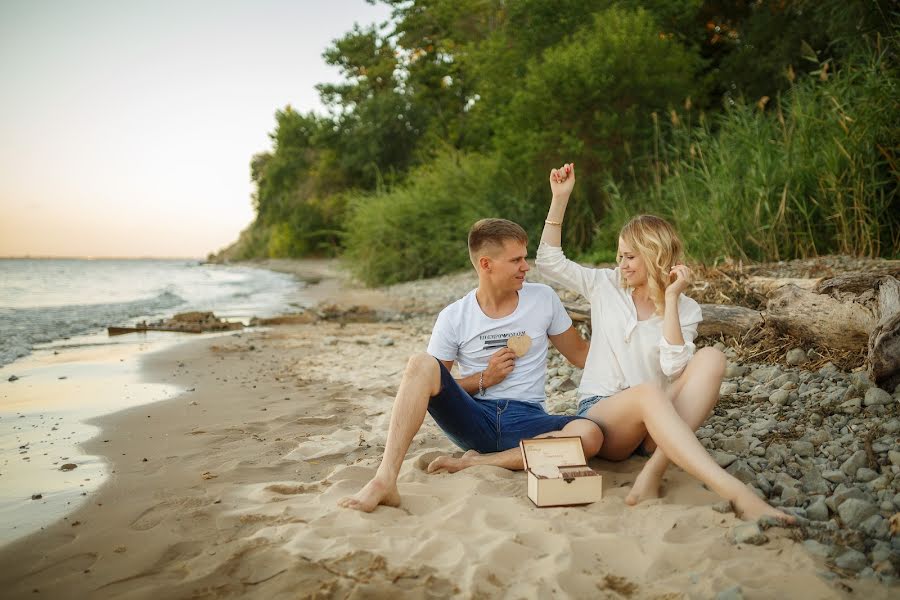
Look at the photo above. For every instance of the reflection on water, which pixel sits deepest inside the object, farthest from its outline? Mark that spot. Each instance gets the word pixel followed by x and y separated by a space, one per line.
pixel 44 418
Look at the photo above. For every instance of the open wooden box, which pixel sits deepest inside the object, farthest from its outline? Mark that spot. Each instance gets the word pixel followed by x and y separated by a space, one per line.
pixel 558 475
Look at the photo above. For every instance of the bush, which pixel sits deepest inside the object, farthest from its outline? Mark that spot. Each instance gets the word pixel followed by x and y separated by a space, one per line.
pixel 419 229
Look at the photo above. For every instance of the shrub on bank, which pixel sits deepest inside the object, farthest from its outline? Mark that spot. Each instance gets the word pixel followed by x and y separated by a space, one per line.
pixel 419 229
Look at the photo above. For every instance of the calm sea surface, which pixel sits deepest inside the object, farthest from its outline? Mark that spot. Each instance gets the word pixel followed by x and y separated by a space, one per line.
pixel 46 300
pixel 57 311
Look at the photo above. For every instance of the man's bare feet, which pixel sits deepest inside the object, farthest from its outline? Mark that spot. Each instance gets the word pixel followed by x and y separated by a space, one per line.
pixel 451 464
pixel 646 487
pixel 750 507
pixel 374 493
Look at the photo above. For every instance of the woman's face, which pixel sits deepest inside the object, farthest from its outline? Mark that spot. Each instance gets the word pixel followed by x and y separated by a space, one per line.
pixel 632 266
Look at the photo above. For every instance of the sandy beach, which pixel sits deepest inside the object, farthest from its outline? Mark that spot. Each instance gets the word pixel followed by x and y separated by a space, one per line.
pixel 229 490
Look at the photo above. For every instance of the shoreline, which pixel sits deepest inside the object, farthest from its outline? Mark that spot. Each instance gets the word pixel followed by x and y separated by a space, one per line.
pixel 237 495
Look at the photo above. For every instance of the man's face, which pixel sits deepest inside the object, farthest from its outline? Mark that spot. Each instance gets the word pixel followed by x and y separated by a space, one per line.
pixel 508 266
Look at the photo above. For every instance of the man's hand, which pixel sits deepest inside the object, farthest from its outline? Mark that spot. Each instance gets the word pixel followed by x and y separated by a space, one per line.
pixel 499 366
pixel 562 180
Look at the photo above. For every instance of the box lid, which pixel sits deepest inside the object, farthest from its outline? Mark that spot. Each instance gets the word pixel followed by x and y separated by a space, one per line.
pixel 552 452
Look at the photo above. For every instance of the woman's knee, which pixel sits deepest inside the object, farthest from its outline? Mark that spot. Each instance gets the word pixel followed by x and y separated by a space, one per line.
pixel 713 360
pixel 650 395
pixel 590 433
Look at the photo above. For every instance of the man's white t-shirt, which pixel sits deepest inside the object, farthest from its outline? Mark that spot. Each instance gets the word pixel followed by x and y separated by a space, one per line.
pixel 463 333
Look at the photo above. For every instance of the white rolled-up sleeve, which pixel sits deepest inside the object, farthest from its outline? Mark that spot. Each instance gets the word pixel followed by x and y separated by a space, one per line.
pixel 554 266
pixel 673 358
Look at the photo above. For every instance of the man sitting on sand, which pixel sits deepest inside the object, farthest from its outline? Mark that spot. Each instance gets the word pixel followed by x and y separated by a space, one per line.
pixel 499 334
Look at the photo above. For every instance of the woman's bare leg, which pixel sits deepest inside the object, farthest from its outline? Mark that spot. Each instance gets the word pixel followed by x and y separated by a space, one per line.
pixel 694 395
pixel 591 441
pixel 627 417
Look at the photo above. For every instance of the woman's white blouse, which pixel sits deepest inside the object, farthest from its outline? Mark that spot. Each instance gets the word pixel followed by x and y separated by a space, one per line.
pixel 624 351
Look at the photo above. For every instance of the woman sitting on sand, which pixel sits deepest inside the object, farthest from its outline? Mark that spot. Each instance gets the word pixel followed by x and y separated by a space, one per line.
pixel 643 382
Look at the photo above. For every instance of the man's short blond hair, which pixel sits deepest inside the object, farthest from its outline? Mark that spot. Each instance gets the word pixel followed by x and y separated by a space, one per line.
pixel 489 234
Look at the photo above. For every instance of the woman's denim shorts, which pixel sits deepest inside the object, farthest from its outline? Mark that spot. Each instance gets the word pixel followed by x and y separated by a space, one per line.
pixel 488 425
pixel 585 404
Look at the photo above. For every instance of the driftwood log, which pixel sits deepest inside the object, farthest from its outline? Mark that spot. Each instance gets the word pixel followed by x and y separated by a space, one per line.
pixel 848 312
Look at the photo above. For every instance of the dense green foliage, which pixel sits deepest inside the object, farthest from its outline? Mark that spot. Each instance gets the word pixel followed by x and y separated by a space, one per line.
pixel 764 129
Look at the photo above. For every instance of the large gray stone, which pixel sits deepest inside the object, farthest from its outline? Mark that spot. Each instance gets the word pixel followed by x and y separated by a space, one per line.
pixel 851 560
pixel 818 510
pixel 854 511
pixel 894 457
pixel 865 474
pixel 860 381
pixel 723 459
pixel 803 448
pixel 741 470
pixel 875 526
pixel 796 357
pixel 813 482
pixel 737 444
pixel 748 533
pixel 776 454
pixel 734 370
pixel 835 476
pixel 779 397
pixel 728 388
pixel 765 374
pixel 877 396
pixel 857 460
pixel 851 407
pixel 843 493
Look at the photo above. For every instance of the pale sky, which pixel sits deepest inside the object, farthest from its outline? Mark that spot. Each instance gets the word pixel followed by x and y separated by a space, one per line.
pixel 127 126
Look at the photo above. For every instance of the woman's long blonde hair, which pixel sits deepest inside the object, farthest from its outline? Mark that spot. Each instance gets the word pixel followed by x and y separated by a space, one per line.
pixel 655 241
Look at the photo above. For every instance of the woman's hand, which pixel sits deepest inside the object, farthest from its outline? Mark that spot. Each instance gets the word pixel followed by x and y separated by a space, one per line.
pixel 681 277
pixel 562 180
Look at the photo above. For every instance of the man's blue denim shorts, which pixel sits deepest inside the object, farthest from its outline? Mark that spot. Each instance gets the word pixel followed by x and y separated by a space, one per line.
pixel 488 425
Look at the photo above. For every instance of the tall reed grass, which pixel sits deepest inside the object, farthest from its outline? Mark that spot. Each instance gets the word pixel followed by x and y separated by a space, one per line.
pixel 814 173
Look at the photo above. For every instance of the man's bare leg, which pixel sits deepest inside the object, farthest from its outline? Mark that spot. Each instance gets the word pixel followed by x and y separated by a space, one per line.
pixel 628 416
pixel 421 380
pixel 591 441
pixel 694 395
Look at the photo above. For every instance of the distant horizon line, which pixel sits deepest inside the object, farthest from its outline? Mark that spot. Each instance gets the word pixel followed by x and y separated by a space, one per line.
pixel 70 257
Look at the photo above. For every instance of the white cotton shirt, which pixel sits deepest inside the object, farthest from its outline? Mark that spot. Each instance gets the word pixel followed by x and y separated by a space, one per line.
pixel 463 333
pixel 624 352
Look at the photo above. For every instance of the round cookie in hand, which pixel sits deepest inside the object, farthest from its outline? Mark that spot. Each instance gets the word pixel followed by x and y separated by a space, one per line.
pixel 519 344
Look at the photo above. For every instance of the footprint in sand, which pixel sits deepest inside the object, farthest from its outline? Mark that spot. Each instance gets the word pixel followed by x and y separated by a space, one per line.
pixel 155 515
pixel 325 420
pixel 292 489
pixel 72 564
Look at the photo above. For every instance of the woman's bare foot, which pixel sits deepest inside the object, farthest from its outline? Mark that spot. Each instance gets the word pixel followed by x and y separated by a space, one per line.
pixel 750 507
pixel 646 487
pixel 451 464
pixel 374 493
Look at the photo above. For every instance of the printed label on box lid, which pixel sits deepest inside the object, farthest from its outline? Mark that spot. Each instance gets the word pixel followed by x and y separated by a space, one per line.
pixel 552 452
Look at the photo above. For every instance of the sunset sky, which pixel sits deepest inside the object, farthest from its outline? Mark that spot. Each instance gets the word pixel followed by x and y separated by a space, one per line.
pixel 127 128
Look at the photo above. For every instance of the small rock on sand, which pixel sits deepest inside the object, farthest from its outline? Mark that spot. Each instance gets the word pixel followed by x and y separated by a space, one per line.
pixel 68 467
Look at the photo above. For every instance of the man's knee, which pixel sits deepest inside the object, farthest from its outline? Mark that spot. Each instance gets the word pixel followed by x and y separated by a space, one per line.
pixel 423 367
